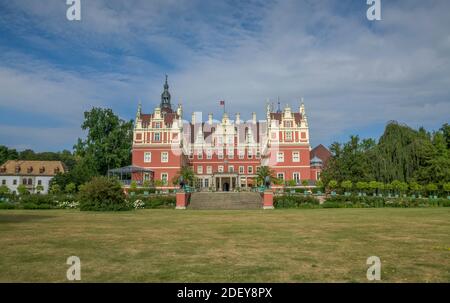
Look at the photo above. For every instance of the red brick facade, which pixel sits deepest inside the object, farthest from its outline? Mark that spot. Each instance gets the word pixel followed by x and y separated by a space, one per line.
pixel 224 154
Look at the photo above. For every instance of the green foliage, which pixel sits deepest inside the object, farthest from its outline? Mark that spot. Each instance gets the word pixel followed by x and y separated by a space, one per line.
pixel 263 172
pixel 188 176
pixel 362 186
pixel 156 201
pixel 39 188
pixel 70 188
pixel 347 185
pixel 38 202
pixel 102 194
pixel 446 187
pixel 55 189
pixel 401 154
pixel 333 184
pixel 431 188
pixel 108 142
pixel 4 191
pixel 22 190
pixel 319 184
pixel 295 201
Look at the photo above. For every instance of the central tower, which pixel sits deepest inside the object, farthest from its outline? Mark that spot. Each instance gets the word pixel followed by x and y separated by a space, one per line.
pixel 165 99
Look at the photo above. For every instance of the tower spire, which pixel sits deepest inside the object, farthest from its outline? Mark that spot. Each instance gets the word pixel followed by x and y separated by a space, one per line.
pixel 165 98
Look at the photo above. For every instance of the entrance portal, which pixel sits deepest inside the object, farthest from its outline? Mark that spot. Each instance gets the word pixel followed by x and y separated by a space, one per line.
pixel 226 186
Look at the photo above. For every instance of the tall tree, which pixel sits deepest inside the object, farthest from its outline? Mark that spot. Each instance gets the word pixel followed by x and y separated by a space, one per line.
pixel 108 141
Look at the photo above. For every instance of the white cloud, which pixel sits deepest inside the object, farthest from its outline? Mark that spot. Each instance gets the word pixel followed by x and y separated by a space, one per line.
pixel 353 74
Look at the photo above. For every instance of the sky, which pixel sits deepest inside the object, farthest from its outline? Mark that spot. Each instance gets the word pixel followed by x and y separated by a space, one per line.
pixel 355 75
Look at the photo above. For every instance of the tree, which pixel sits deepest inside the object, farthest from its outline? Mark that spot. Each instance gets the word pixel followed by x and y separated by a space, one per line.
pixel 188 175
pixel 7 154
pixel 55 189
pixel 319 184
pixel 108 141
pixel 70 188
pixel 4 190
pixel 22 190
pixel 347 185
pixel 102 194
pixel 264 171
pixel 333 184
pixel 415 187
pixel 446 188
pixel 39 188
pixel 362 186
pixel 373 186
pixel 304 182
pixel 431 188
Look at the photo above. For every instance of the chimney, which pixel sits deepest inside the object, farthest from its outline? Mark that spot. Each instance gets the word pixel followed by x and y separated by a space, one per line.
pixel 193 118
pixel 254 117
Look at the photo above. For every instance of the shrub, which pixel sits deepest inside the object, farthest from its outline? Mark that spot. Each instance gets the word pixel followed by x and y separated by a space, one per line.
pixel 36 199
pixel 102 194
pixel 295 201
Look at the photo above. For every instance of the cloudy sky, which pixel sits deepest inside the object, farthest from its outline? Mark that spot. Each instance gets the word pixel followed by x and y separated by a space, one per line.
pixel 354 74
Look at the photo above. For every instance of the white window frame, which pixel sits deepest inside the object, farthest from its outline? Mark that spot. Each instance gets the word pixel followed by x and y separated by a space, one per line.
pixel 220 168
pixel 280 157
pixel 157 139
pixel 164 159
pixel 232 168
pixel 250 169
pixel 294 158
pixel 288 136
pixel 200 155
pixel 209 154
pixel 282 176
pixel 220 154
pixel 241 169
pixel 299 177
pixel 147 157
pixel 209 169
pixel 250 154
pixel 200 169
pixel 166 177
pixel 241 154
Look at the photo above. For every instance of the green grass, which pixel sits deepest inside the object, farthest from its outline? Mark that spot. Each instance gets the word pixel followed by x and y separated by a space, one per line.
pixel 226 246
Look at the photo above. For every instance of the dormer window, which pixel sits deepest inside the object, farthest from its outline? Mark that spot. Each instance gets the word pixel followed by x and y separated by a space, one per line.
pixel 17 168
pixel 30 169
pixel 56 170
pixel 3 169
pixel 42 170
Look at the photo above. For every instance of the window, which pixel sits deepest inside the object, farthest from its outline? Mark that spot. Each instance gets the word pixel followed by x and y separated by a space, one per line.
pixel 39 182
pixel 157 137
pixel 15 182
pixel 30 182
pixel 280 176
pixel 199 169
pixel 296 177
pixel 241 169
pixel 287 123
pixel 231 169
pixel 206 183
pixel 230 153
pixel 164 157
pixel 258 168
pixel 258 155
pixel 250 154
pixel 220 154
pixel 3 182
pixel 289 136
pixel 296 156
pixel 200 155
pixel 241 154
pixel 191 155
pixel 220 169
pixel 24 181
pixel 209 154
pixel 146 176
pixel 280 157
pixel 158 125
pixel 164 178
pixel 147 157
pixel 209 169
pixel 250 169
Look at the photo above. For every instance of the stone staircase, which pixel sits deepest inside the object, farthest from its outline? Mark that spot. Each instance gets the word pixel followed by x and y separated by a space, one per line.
pixel 226 200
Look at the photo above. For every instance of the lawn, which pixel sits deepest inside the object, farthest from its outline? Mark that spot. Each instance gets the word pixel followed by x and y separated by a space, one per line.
pixel 329 245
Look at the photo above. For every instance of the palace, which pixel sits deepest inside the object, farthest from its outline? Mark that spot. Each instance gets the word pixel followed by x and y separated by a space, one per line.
pixel 224 154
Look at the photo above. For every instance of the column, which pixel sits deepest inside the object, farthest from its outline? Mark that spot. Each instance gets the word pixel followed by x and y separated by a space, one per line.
pixel 231 183
pixel 220 183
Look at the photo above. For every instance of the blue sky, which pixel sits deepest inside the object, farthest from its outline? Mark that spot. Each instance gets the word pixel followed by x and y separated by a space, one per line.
pixel 354 75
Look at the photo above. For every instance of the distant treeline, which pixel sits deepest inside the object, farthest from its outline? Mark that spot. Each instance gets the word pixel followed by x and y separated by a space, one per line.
pixel 401 153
